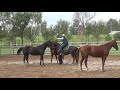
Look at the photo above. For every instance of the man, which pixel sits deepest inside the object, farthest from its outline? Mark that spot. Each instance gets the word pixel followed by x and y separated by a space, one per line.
pixel 64 44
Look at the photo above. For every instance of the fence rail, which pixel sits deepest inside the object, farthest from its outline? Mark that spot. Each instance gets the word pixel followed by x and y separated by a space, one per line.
pixel 12 48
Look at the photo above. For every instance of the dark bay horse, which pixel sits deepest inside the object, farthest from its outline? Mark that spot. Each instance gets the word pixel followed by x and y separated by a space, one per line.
pixel 72 50
pixel 96 51
pixel 39 50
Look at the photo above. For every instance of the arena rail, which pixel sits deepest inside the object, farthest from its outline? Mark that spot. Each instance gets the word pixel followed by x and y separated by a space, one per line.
pixel 12 48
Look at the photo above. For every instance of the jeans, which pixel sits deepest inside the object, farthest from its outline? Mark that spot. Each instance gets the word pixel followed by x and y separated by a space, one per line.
pixel 62 47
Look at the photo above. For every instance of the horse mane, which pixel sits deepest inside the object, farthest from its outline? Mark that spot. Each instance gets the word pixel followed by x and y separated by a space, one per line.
pixel 44 44
pixel 107 43
pixel 55 43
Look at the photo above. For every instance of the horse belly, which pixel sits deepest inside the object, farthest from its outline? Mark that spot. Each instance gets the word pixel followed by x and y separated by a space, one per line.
pixel 97 54
pixel 35 53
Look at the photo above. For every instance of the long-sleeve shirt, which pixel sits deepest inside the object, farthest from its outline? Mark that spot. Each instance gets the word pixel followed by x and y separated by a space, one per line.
pixel 64 39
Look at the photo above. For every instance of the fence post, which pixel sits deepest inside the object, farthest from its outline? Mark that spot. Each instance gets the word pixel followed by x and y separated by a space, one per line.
pixel 13 50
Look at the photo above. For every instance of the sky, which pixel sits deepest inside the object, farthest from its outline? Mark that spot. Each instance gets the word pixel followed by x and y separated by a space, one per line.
pixel 53 17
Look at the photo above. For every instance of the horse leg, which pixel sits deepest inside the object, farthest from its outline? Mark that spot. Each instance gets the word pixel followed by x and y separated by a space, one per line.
pixel 24 59
pixel 42 59
pixel 86 62
pixel 27 58
pixel 51 57
pixel 103 63
pixel 62 57
pixel 56 58
pixel 73 59
pixel 76 61
pixel 81 63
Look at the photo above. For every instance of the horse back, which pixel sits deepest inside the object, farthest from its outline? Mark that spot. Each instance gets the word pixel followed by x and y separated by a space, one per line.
pixel 95 51
pixel 36 51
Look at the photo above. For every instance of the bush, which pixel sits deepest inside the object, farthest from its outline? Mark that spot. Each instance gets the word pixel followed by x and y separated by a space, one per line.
pixel 108 38
pixel 117 36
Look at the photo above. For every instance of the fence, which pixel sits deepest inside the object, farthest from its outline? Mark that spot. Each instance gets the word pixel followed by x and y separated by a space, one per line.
pixel 12 48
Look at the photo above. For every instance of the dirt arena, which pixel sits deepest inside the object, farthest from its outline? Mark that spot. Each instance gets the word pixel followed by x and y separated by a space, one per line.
pixel 12 67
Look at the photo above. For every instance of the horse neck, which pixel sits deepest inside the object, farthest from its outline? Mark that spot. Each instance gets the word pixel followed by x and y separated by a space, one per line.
pixel 44 46
pixel 109 45
pixel 57 44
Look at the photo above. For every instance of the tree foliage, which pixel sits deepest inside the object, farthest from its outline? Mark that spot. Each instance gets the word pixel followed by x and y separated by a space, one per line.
pixel 28 25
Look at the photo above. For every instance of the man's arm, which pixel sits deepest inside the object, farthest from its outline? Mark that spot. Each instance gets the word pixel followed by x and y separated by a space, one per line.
pixel 60 38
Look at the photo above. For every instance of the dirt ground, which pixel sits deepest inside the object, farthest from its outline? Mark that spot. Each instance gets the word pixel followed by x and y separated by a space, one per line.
pixel 12 67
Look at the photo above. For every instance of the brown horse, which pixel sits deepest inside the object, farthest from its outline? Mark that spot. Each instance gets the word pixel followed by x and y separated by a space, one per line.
pixel 39 50
pixel 73 50
pixel 97 51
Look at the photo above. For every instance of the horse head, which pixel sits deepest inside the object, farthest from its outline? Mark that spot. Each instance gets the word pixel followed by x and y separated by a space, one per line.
pixel 115 44
pixel 49 43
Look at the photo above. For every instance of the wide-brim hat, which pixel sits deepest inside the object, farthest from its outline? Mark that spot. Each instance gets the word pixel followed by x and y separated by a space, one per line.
pixel 63 35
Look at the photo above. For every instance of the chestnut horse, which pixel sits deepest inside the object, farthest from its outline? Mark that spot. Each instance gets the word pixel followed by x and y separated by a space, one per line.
pixel 96 51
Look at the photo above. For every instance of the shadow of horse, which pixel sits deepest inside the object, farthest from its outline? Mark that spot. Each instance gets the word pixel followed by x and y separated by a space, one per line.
pixel 74 51
pixel 96 51
pixel 39 50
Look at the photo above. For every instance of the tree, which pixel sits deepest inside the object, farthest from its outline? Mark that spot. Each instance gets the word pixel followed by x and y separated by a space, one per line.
pixel 52 34
pixel 61 27
pixel 44 30
pixel 112 25
pixel 29 34
pixel 20 22
pixel 2 33
pixel 89 30
pixel 6 24
pixel 74 29
pixel 34 27
pixel 35 24
pixel 83 18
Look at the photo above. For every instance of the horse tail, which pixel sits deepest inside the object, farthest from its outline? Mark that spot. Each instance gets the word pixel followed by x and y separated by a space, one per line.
pixel 19 50
pixel 76 56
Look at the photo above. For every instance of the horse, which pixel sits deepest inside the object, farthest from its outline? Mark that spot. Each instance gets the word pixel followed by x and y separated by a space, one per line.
pixel 96 51
pixel 39 50
pixel 72 50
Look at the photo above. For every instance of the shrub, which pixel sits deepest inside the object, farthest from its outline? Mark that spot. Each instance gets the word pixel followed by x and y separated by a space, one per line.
pixel 117 36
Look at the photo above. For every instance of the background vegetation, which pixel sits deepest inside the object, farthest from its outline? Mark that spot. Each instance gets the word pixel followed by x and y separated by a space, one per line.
pixel 28 27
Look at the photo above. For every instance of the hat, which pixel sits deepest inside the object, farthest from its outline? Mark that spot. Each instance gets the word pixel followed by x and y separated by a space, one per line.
pixel 63 34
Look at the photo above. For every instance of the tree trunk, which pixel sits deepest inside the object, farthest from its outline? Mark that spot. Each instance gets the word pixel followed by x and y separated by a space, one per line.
pixel 14 41
pixel 22 38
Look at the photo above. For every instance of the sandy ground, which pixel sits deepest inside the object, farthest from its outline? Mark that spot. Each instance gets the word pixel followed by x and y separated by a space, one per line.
pixel 12 67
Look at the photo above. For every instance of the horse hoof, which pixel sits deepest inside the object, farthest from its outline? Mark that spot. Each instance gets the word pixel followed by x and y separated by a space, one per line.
pixel 87 69
pixel 103 70
pixel 81 70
